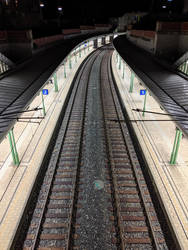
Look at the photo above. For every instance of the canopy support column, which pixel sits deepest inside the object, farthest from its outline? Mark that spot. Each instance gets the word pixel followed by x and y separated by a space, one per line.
pixel 176 146
pixel 55 83
pixel 13 148
pixel 131 82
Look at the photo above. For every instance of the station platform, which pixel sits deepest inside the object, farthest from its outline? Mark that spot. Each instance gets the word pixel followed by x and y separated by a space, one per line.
pixel 156 139
pixel 32 140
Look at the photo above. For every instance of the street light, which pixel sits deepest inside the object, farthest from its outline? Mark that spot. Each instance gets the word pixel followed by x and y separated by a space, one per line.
pixel 41 4
pixel 60 12
pixel 59 9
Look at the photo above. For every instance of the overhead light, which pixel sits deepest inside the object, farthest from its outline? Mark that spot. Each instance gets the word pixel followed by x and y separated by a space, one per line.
pixel 41 5
pixel 60 8
pixel 164 6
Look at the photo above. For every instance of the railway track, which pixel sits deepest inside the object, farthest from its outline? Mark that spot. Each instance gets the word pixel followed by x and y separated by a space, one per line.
pixel 94 195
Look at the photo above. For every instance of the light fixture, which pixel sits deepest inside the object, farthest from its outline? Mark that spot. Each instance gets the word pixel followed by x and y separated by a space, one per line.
pixel 41 5
pixel 164 6
pixel 59 8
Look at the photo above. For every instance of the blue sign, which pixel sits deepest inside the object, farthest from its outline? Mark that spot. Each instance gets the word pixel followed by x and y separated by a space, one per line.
pixel 142 91
pixel 45 91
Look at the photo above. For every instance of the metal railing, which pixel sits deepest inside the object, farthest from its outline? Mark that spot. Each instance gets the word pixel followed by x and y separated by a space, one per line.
pixel 5 63
pixel 184 67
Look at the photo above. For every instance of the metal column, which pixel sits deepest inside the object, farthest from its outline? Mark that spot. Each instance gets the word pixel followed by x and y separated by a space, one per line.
pixel 131 82
pixel 55 83
pixel 120 63
pixel 65 71
pixel 70 63
pixel 80 51
pixel 123 71
pixel 43 105
pixel 176 146
pixel 75 56
pixel 13 148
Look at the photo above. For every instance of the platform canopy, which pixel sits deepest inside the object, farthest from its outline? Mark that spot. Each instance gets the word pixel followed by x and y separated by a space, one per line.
pixel 19 86
pixel 166 85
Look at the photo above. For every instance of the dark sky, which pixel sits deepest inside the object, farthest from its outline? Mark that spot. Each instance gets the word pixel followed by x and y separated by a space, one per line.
pixel 98 9
pixel 104 7
pixel 84 11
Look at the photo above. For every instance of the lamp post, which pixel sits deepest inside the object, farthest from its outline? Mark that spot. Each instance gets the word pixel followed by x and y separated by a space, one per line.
pixel 60 12
pixel 41 5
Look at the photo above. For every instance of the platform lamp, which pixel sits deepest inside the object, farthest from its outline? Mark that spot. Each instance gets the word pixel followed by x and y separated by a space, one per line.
pixel 41 5
pixel 60 12
pixel 60 9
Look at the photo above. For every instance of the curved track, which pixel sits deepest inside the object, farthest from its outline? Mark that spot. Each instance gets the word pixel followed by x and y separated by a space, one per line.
pixel 94 195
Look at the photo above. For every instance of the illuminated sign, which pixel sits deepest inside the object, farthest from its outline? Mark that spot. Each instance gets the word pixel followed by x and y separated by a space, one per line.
pixel 45 91
pixel 142 91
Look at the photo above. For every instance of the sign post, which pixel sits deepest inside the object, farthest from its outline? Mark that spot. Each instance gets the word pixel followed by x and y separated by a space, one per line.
pixel 143 92
pixel 44 92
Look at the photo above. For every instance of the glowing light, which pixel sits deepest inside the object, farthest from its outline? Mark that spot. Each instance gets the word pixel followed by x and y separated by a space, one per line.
pixel 60 8
pixel 41 5
pixel 164 6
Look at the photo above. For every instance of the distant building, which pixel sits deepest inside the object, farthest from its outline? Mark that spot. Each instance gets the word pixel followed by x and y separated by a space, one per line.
pixel 185 8
pixel 20 13
pixel 129 19
pixel 22 5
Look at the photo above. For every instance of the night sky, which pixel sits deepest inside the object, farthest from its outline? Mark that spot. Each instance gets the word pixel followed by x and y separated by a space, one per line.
pixel 104 7
pixel 91 12
pixel 96 10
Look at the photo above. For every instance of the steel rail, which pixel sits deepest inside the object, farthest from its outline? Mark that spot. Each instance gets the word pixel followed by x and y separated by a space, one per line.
pixel 149 219
pixel 111 164
pixel 51 178
pixel 72 219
